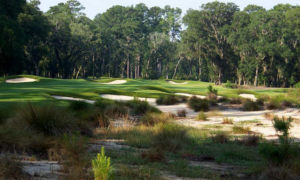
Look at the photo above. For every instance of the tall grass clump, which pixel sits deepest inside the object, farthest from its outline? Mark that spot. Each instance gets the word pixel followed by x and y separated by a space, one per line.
pixel 151 119
pixel 181 113
pixel 167 100
pixel 240 130
pixel 102 167
pixel 103 103
pixel 117 110
pixel 198 104
pixel 201 116
pixel 170 137
pixel 47 119
pixel 250 106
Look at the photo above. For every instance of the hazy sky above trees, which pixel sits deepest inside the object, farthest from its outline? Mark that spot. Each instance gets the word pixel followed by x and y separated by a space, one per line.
pixel 93 7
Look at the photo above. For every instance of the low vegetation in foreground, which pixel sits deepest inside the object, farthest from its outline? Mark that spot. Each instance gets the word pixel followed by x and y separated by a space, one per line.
pixel 151 145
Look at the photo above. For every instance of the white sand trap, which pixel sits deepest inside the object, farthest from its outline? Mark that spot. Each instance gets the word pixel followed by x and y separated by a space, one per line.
pixel 248 96
pixel 172 82
pixel 73 99
pixel 20 80
pixel 151 101
pixel 116 82
pixel 190 95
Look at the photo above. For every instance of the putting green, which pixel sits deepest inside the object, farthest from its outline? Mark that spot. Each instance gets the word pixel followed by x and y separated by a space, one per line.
pixel 88 89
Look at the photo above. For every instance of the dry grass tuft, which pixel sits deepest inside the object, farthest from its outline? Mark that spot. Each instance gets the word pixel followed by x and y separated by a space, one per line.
pixel 220 137
pixel 181 113
pixel 227 120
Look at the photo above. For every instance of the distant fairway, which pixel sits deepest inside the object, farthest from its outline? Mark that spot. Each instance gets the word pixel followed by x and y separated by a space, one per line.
pixel 88 89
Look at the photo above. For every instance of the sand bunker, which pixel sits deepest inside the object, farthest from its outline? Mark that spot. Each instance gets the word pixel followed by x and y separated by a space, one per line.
pixel 172 82
pixel 249 96
pixel 20 80
pixel 190 95
pixel 73 99
pixel 151 101
pixel 116 82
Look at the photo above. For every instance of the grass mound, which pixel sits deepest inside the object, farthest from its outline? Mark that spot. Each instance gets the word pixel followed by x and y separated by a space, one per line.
pixel 10 169
pixel 139 107
pixel 79 105
pixel 47 119
pixel 198 104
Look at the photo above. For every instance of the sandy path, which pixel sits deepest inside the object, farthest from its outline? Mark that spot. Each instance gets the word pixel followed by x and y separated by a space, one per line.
pixel 172 82
pixel 73 99
pixel 20 80
pixel 249 96
pixel 116 82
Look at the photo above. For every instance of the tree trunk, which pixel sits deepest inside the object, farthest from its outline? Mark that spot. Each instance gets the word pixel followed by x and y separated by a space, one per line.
pixel 220 76
pixel 138 68
pixel 256 76
pixel 176 67
pixel 78 72
pixel 93 66
pixel 128 64
pixel 200 68
pixel 167 70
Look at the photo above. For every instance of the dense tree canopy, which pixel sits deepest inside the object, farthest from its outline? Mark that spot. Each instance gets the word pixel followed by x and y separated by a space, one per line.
pixel 216 43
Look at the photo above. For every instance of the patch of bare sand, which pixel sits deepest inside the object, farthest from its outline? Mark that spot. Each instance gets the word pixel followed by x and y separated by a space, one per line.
pixel 172 82
pixel 20 80
pixel 249 96
pixel 116 82
pixel 73 99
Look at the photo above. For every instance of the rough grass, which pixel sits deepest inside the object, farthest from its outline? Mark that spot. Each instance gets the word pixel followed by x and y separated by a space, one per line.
pixel 201 116
pixel 240 130
pixel 138 107
pixel 79 105
pixel 250 106
pixel 47 119
pixel 167 100
pixel 10 168
pixel 181 113
pixel 151 119
pixel 227 120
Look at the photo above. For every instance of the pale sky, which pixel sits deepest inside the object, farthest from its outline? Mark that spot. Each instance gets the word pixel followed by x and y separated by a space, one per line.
pixel 93 7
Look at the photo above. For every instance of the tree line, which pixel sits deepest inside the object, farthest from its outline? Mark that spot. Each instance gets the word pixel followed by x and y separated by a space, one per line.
pixel 216 43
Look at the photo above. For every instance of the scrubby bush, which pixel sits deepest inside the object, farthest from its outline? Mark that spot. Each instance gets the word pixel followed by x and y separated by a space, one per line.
pixel 79 105
pixel 223 100
pixel 139 107
pixel 251 140
pixel 201 116
pixel 198 104
pixel 10 169
pixel 117 110
pixel 170 137
pixel 102 167
pixel 262 100
pixel 236 100
pixel 47 119
pixel 167 100
pixel 250 106
pixel 181 113
pixel 151 119
pixel 228 84
pixel 153 155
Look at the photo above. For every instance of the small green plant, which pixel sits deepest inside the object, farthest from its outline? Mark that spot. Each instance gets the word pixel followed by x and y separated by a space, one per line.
pixel 212 90
pixel 201 116
pixel 228 84
pixel 212 94
pixel 102 166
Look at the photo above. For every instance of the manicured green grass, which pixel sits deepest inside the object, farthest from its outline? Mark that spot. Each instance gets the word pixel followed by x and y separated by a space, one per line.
pixel 89 89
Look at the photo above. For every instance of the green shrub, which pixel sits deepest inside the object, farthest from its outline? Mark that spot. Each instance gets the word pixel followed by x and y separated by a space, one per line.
pixel 102 167
pixel 201 116
pixel 47 119
pixel 170 137
pixel 79 105
pixel 228 84
pixel 139 107
pixel 151 119
pixel 250 106
pixel 211 90
pixel 223 100
pixel 198 104
pixel 167 100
